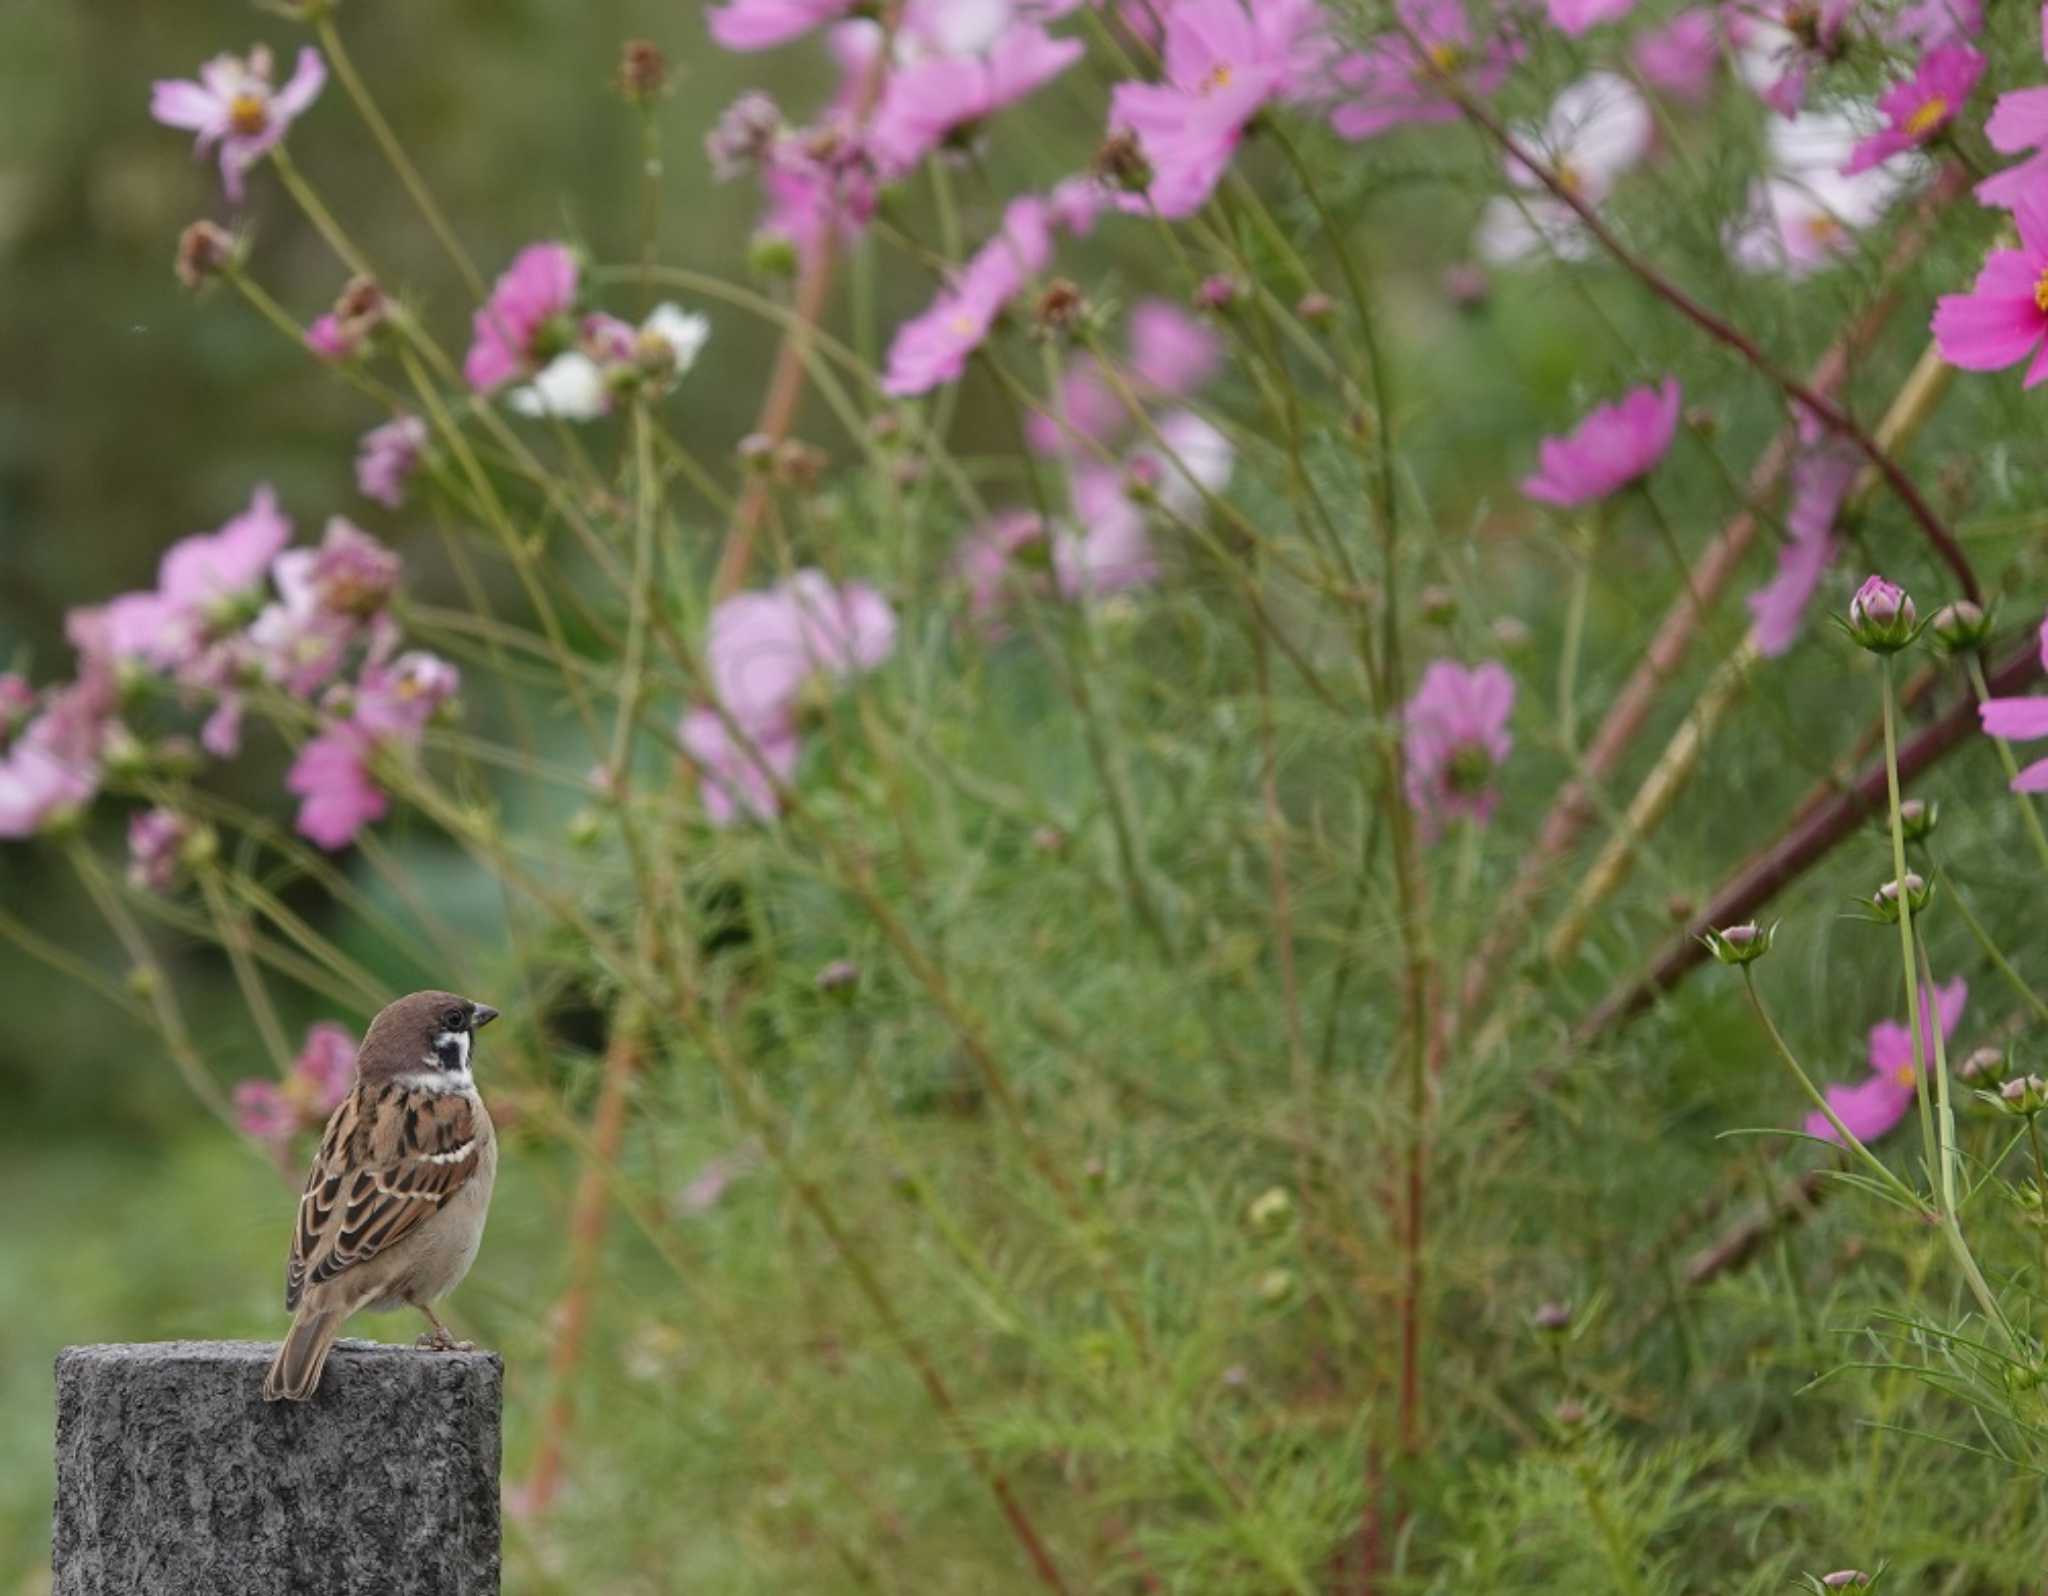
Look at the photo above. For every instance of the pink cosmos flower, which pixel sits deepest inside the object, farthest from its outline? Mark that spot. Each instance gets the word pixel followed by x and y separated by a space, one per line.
pixel 234 106
pixel 2021 720
pixel 764 647
pixel 1224 64
pixel 1804 217
pixel 1922 107
pixel 763 24
pixel 2019 122
pixel 1615 445
pixel 929 102
pixel 524 321
pixel 1171 355
pixel 1930 24
pixel 1455 741
pixel 1395 80
pixel 1110 549
pixel 155 837
pixel 733 782
pixel 51 769
pixel 205 585
pixel 262 1113
pixel 1191 461
pixel 326 596
pixel 1820 482
pixel 325 1067
pixel 386 458
pixel 328 339
pixel 997 560
pixel 933 349
pixel 1574 17
pixel 2003 319
pixel 1683 56
pixel 338 797
pixel 1875 1106
pixel 17 703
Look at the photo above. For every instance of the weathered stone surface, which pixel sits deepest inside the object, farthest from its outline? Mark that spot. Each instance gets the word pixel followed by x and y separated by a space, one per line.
pixel 176 1478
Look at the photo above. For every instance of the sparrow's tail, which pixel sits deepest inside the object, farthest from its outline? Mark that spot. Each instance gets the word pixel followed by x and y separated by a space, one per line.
pixel 295 1373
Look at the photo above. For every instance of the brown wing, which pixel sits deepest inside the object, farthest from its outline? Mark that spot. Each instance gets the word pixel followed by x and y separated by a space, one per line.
pixel 390 1157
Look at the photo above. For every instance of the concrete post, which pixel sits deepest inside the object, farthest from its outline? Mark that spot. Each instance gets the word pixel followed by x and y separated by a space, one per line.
pixel 176 1478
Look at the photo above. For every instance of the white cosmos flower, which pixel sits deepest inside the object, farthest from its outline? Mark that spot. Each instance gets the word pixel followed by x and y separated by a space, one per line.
pixel 1804 215
pixel 684 331
pixel 570 387
pixel 1597 128
pixel 1196 460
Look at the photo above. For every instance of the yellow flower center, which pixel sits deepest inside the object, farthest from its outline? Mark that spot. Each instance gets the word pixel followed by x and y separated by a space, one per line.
pixel 1823 229
pixel 1929 117
pixel 1908 1076
pixel 1446 55
pixel 248 114
pixel 962 325
pixel 1218 78
pixel 2041 291
pixel 1570 178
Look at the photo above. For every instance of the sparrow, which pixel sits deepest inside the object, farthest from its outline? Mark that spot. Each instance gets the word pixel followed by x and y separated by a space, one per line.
pixel 394 1208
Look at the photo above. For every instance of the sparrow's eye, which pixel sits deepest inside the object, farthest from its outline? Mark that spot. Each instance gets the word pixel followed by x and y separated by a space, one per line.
pixel 452 1020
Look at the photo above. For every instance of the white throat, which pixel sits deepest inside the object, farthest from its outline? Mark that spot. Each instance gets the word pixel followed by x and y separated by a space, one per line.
pixel 446 1068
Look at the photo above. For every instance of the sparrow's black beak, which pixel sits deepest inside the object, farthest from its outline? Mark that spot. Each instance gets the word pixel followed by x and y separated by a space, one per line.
pixel 483 1016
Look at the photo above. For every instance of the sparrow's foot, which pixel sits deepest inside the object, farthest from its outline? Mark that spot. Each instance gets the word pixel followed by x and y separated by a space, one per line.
pixel 439 1340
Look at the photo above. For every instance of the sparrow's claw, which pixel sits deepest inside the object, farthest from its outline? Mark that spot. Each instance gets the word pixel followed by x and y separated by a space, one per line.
pixel 439 1340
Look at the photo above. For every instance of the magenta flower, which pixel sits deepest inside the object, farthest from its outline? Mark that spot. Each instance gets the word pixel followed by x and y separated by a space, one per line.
pixel 1682 57
pixel 1615 445
pixel 763 24
pixel 2003 319
pixel 933 349
pixel 206 584
pixel 734 782
pixel 386 458
pixel 1574 17
pixel 1875 1105
pixel 1396 80
pixel 234 106
pixel 2018 122
pixel 326 596
pixel 1224 64
pixel 1921 108
pixel 1820 482
pixel 330 340
pixel 526 319
pixel 2021 720
pixel 1455 740
pixel 947 97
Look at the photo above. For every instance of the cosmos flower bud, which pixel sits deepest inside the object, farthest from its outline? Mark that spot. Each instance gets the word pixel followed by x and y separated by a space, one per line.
pixel 1985 1067
pixel 1960 626
pixel 1881 616
pixel 1569 1414
pixel 1438 604
pixel 586 826
pixel 204 252
pixel 1845 1579
pixel 1276 1286
pixel 1061 307
pixel 772 254
pixel 1740 944
pixel 1917 819
pixel 1316 308
pixel 2025 1095
pixel 1552 1317
pixel 1270 1210
pixel 1466 285
pixel 1120 162
pixel 1141 480
pixel 839 978
pixel 1219 292
pixel 756 453
pixel 800 465
pixel 1886 899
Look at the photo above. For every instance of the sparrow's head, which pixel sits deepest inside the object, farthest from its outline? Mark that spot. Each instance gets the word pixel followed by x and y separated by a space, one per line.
pixel 427 1034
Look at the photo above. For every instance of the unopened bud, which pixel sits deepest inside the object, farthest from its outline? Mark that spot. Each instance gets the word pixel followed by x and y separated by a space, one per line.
pixel 1060 308
pixel 799 465
pixel 585 827
pixel 1881 616
pixel 757 453
pixel 1845 1579
pixel 2025 1095
pixel 1985 1067
pixel 1218 292
pixel 1466 285
pixel 1917 819
pixel 772 254
pixel 839 978
pixel 1276 1286
pixel 1917 895
pixel 1120 162
pixel 1552 1317
pixel 1740 944
pixel 1438 604
pixel 1270 1210
pixel 1960 626
pixel 1316 308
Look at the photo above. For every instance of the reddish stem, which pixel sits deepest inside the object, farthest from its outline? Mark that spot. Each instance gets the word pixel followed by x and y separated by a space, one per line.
pixel 1803 844
pixel 1723 331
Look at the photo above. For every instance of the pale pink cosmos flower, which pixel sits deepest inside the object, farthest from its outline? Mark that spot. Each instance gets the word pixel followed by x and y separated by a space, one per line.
pixel 325 1067
pixel 1455 740
pixel 1805 215
pixel 764 647
pixel 50 770
pixel 205 584
pixel 1930 24
pixel 930 102
pixel 1598 128
pixel 1874 1106
pixel 1574 17
pixel 1613 446
pixel 1223 64
pixel 2003 319
pixel 524 322
pixel 733 781
pixel 387 457
pixel 1920 109
pixel 233 105
pixel 933 349
pixel 1820 482
pixel 262 1113
pixel 763 24
pixel 1172 353
pixel 326 596
pixel 1006 552
pixel 1109 549
pixel 2021 720
pixel 1396 79
pixel 1191 462
pixel 1781 44
pixel 328 339
pixel 155 837
pixel 331 778
pixel 1683 56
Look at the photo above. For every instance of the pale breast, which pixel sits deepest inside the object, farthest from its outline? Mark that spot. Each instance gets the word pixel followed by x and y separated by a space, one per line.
pixel 442 1247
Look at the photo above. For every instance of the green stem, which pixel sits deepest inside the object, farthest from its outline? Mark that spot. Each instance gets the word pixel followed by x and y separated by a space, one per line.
pixel 1937 1169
